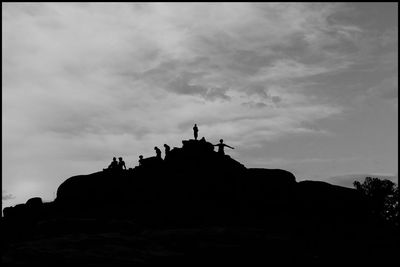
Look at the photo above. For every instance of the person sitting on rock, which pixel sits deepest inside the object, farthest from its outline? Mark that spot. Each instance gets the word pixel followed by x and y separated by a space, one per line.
pixel 167 150
pixel 221 146
pixel 158 152
pixel 121 164
pixel 195 131
pixel 140 160
pixel 113 165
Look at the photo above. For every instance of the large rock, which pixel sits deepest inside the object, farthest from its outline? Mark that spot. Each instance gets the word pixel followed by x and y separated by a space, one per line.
pixel 329 204
pixel 94 192
pixel 195 183
pixel 34 203
pixel 31 210
pixel 198 185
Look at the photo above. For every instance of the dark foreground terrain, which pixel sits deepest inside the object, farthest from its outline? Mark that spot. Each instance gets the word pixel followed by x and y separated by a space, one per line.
pixel 196 207
pixel 196 245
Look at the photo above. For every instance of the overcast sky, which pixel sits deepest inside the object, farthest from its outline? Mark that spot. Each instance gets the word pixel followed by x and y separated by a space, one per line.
pixel 307 87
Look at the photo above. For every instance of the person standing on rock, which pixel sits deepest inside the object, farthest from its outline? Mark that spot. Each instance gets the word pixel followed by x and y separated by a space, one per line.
pixel 221 146
pixel 195 131
pixel 167 150
pixel 158 152
pixel 140 160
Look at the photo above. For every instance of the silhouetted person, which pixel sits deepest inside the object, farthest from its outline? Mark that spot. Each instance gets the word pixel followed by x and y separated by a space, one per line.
pixel 195 131
pixel 140 160
pixel 114 164
pixel 158 152
pixel 221 146
pixel 121 164
pixel 167 150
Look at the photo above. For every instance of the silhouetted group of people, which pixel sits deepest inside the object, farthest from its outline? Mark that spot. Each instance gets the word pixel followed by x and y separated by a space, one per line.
pixel 220 146
pixel 120 165
pixel 158 151
pixel 117 165
pixel 158 154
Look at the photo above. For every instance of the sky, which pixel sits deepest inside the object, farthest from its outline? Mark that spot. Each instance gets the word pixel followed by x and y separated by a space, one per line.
pixel 311 88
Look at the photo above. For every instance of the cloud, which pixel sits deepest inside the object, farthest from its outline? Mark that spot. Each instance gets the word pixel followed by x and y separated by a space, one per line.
pixel 386 89
pixel 384 92
pixel 85 76
pixel 83 82
pixel 254 104
pixel 6 196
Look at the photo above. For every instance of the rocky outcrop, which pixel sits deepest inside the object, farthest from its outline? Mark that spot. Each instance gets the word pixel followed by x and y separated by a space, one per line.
pixel 194 184
pixel 258 210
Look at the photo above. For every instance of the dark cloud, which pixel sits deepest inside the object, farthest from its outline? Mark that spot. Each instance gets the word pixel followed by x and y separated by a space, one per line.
pixel 253 104
pixel 310 126
pixel 276 99
pixel 6 197
pixel 257 89
pixel 262 91
pixel 182 85
pixel 249 62
pixel 217 93
pixel 172 77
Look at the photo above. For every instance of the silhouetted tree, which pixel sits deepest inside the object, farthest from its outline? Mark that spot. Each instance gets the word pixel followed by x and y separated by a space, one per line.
pixel 383 196
pixel 391 207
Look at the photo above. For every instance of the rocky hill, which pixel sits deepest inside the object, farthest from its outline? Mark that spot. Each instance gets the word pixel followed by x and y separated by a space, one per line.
pixel 201 191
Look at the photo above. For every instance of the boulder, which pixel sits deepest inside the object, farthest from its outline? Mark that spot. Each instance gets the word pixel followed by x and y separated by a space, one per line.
pixel 329 203
pixel 8 212
pixel 35 202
